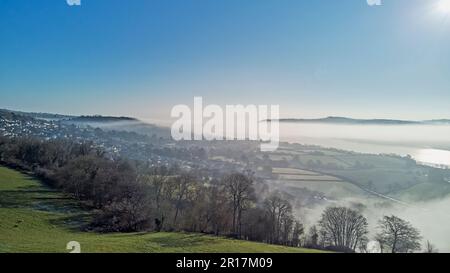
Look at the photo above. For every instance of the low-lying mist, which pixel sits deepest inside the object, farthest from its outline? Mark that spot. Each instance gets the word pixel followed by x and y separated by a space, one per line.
pixel 426 143
pixel 431 218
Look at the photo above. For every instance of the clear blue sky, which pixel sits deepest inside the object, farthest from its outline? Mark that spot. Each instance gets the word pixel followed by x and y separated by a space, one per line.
pixel 312 57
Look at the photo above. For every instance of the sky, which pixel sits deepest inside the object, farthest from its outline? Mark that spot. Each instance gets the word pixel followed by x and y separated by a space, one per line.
pixel 314 58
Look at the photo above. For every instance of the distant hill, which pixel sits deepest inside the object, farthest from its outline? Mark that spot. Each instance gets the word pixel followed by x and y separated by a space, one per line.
pixel 46 116
pixel 107 123
pixel 9 115
pixel 438 121
pixel 101 119
pixel 50 116
pixel 350 121
pixel 128 124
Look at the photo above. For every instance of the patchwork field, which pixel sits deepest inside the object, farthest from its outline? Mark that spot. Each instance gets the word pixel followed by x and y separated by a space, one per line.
pixel 328 185
pixel 332 171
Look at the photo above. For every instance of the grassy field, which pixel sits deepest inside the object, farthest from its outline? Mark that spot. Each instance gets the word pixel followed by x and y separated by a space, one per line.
pixel 424 192
pixel 34 218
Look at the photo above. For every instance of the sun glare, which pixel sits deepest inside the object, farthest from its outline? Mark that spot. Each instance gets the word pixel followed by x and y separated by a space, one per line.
pixel 444 6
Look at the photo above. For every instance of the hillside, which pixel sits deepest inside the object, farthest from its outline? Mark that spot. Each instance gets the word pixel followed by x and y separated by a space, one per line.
pixel 45 116
pixel 101 119
pixel 34 218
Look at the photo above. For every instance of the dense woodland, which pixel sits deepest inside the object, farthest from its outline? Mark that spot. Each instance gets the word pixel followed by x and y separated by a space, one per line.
pixel 128 196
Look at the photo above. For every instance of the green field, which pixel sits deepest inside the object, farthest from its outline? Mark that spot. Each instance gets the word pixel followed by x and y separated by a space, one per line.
pixel 34 218
pixel 424 192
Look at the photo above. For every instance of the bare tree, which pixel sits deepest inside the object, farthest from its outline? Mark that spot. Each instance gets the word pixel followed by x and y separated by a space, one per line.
pixel 184 188
pixel 430 248
pixel 398 235
pixel 240 192
pixel 218 212
pixel 277 209
pixel 297 234
pixel 343 228
pixel 312 239
pixel 157 178
pixel 379 239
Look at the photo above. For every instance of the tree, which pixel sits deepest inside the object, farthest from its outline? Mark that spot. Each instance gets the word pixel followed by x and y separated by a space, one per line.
pixel 277 210
pixel 184 188
pixel 430 248
pixel 379 239
pixel 157 178
pixel 126 215
pixel 397 235
pixel 217 213
pixel 343 228
pixel 312 239
pixel 297 233
pixel 240 193
pixel 256 225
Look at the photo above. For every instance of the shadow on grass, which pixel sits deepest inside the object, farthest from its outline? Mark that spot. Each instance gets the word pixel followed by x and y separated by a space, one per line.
pixel 183 240
pixel 42 198
pixel 75 222
pixel 27 196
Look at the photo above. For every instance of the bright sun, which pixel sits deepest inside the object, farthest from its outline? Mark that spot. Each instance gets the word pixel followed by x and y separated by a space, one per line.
pixel 444 6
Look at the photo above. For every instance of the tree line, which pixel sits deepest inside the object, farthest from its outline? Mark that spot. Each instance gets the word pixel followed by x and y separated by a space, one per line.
pixel 129 196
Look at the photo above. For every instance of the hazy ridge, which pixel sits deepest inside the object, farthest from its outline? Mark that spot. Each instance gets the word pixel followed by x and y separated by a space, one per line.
pixel 346 120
